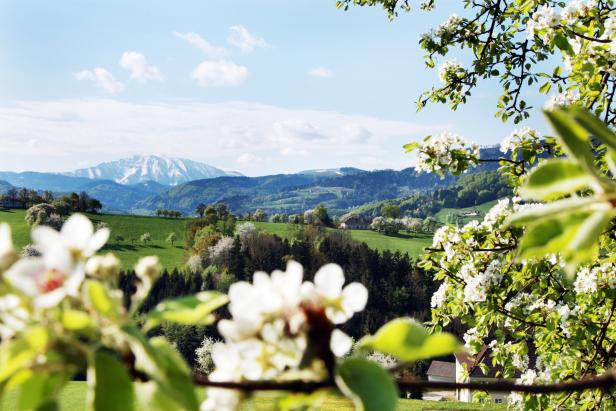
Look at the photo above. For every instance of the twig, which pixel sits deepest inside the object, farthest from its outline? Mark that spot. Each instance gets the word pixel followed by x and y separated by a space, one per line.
pixel 604 381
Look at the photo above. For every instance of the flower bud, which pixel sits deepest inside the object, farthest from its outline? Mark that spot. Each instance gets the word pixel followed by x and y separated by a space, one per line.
pixel 104 266
pixel 8 255
pixel 148 269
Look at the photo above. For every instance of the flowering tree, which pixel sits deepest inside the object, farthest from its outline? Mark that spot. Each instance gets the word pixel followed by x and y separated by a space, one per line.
pixel 561 47
pixel 61 315
pixel 537 281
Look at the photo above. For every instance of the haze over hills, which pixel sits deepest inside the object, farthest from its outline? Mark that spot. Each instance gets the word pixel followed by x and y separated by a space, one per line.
pixel 339 189
pixel 164 170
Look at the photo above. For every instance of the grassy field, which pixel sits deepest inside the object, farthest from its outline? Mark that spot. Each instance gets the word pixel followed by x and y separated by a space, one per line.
pixel 73 399
pixel 129 227
pixel 442 215
pixel 411 243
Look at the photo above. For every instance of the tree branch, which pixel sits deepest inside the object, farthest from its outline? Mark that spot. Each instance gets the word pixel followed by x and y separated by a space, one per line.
pixel 604 381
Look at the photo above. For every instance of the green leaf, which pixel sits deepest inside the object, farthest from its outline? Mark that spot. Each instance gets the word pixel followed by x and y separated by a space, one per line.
pixel 574 235
pixel 75 320
pixel 555 178
pixel 37 390
pixel 407 340
pixel 367 384
pixel 150 397
pixel 567 205
pixel 99 298
pixel 191 310
pixel 561 42
pixel 545 88
pixel 109 385
pixel 18 354
pixel 411 146
pixel 610 160
pixel 164 366
pixel 572 137
pixel 594 126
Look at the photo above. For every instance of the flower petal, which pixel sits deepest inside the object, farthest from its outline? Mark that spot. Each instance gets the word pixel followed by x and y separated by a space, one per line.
pixel 24 273
pixel 329 280
pixel 354 297
pixel 45 237
pixel 78 230
pixel 340 343
pixel 98 240
pixel 49 300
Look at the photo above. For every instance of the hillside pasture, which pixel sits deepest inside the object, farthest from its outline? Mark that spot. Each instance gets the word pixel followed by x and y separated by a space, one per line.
pixel 130 228
pixel 445 215
pixel 405 242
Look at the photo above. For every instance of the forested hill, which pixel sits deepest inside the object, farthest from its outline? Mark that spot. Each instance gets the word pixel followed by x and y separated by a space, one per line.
pixel 467 191
pixel 295 193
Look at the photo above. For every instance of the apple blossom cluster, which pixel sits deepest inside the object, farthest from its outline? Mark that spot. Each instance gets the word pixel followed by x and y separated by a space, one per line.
pixel 547 19
pixel 543 23
pixel 589 280
pixel 269 333
pixel 446 152
pixel 520 139
pixel 35 286
pixel 444 30
pixel 451 71
pixel 562 100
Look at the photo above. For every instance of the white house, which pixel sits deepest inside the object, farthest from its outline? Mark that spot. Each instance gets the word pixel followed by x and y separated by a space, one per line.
pixel 354 223
pixel 466 369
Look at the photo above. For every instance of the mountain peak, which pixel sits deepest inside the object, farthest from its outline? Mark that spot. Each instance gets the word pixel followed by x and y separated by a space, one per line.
pixel 158 168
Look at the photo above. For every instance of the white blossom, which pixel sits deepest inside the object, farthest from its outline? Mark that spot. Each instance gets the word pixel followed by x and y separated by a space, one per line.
pixel 446 151
pixel 340 343
pixel 439 296
pixel 543 23
pixel 562 100
pixel 340 303
pixel 148 270
pixel 450 70
pixel 46 280
pixel 518 138
pixel 528 377
pixel 77 237
pixel 267 334
pixel 13 317
pixel 103 266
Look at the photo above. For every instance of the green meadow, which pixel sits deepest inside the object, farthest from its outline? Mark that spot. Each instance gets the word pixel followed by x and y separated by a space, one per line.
pixel 130 227
pixel 74 396
pixel 405 242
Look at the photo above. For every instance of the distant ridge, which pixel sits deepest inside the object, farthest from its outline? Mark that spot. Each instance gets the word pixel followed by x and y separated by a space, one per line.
pixel 168 171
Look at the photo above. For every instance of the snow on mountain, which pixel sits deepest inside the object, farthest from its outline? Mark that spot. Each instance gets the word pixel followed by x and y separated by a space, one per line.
pixel 160 169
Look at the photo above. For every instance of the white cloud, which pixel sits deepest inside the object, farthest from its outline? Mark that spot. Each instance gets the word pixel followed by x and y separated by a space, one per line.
pixel 241 38
pixel 202 44
pixel 292 131
pixel 321 72
pixel 219 73
pixel 102 78
pixel 139 68
pixel 67 132
pixel 248 158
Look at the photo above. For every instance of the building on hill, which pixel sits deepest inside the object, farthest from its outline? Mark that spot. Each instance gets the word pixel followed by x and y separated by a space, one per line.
pixel 466 369
pixel 355 223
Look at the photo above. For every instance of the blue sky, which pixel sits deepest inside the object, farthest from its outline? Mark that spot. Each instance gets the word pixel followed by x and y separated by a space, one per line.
pixel 259 86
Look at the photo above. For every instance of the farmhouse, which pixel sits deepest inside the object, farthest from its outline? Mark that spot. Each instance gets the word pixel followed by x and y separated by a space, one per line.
pixel 455 372
pixel 355 223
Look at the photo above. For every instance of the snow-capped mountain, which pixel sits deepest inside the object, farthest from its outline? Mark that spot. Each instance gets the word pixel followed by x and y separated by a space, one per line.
pixel 160 169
